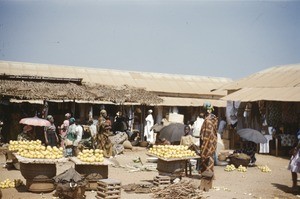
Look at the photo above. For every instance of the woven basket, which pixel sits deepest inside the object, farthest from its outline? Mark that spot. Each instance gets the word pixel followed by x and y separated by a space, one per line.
pixel 143 143
pixel 238 161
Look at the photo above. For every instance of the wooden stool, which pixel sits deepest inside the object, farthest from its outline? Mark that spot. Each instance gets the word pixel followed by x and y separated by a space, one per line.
pixel 109 188
pixel 206 180
pixel 162 181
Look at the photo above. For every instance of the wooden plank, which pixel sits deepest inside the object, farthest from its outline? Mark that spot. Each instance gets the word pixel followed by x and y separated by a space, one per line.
pixel 40 161
pixel 173 159
pixel 79 162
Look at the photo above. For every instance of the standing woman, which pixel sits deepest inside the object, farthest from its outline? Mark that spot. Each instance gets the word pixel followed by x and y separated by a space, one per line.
pixel 51 138
pixel 208 143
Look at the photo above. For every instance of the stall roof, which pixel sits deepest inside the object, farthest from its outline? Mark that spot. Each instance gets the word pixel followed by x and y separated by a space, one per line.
pixel 178 101
pixel 28 101
pixel 155 82
pixel 291 94
pixel 274 77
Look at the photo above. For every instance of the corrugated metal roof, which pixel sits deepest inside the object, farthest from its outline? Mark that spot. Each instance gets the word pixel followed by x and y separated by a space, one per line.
pixel 156 82
pixel 178 101
pixel 274 77
pixel 289 94
pixel 279 83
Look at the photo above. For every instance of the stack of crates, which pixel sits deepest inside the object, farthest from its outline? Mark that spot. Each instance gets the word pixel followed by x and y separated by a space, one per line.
pixel 162 181
pixel 108 189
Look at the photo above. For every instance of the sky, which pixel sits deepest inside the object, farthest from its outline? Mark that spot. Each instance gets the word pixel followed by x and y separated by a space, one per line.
pixel 232 39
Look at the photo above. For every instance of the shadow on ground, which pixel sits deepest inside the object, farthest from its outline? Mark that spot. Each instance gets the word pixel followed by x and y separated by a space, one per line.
pixel 287 189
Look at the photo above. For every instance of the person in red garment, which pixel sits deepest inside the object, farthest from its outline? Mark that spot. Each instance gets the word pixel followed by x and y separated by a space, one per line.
pixel 208 145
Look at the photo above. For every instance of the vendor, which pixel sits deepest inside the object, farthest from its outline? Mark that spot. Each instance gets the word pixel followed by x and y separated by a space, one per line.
pixel 187 139
pixel 27 134
pixel 102 140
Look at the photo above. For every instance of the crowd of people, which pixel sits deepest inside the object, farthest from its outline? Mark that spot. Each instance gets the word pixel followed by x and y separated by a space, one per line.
pixel 202 135
pixel 73 136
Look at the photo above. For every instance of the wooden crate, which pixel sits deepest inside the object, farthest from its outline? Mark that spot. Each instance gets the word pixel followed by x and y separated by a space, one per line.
pixel 108 189
pixel 101 171
pixel 162 181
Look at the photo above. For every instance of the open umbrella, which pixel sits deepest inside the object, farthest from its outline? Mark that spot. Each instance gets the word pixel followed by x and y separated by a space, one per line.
pixel 173 132
pixel 252 135
pixel 35 121
pixel 157 127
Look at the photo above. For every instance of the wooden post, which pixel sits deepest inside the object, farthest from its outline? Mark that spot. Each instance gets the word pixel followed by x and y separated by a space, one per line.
pixel 206 180
pixel 276 146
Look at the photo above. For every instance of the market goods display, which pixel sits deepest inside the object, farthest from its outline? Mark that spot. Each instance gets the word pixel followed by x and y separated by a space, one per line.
pixel 230 167
pixel 179 190
pixel 91 155
pixel 241 169
pixel 238 159
pixel 264 169
pixel 10 183
pixel 35 149
pixel 171 151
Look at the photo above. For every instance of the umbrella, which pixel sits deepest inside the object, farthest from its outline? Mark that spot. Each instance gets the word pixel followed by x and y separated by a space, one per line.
pixel 70 175
pixel 252 135
pixel 35 121
pixel 157 127
pixel 173 132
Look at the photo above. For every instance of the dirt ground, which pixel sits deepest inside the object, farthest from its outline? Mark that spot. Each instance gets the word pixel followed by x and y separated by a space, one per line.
pixel 251 184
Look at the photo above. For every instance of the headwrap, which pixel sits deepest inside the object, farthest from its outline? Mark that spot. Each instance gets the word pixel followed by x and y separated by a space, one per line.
pixel 72 120
pixel 208 106
pixel 49 117
pixel 68 115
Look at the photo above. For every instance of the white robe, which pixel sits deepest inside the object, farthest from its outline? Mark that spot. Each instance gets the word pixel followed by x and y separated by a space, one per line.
pixel 147 132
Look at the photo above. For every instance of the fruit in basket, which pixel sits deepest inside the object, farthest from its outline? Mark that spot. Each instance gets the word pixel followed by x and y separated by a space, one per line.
pixel 171 151
pixel 91 155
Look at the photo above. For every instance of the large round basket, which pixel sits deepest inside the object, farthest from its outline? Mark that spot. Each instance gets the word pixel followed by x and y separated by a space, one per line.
pixel 143 143
pixel 40 185
pixel 239 161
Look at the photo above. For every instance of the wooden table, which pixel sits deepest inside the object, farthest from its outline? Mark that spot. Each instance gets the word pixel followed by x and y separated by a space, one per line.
pixel 39 173
pixel 91 171
pixel 173 166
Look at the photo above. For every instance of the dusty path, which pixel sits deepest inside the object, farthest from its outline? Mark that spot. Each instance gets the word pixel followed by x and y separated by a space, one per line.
pixel 251 184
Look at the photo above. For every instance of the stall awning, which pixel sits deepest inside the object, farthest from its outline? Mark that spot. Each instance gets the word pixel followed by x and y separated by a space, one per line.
pixel 179 101
pixel 93 102
pixel 25 100
pixel 286 94
pixel 60 101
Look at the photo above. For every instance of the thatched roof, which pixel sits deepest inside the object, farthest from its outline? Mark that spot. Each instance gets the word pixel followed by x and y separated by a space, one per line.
pixel 42 90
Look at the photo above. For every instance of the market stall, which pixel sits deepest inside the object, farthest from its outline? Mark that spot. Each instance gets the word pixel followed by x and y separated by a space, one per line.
pixel 91 171
pixel 39 172
pixel 173 160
